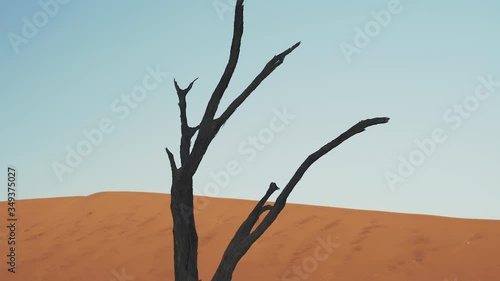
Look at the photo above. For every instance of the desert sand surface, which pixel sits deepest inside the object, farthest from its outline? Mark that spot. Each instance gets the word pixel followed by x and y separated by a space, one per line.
pixel 127 236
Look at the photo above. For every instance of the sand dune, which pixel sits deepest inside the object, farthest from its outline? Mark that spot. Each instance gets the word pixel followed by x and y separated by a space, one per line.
pixel 127 236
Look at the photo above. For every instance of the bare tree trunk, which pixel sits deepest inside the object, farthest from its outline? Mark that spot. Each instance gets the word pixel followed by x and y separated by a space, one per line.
pixel 184 230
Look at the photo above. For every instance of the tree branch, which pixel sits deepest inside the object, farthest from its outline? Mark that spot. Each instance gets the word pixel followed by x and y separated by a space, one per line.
pixel 244 238
pixel 209 126
pixel 268 69
pixel 186 131
pixel 206 129
pixel 216 97
pixel 281 200
pixel 173 166
pixel 252 218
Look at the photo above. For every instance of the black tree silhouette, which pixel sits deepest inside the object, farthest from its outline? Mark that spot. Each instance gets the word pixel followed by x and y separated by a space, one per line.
pixel 184 229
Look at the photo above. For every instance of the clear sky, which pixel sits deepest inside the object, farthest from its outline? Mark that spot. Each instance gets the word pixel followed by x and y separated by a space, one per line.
pixel 73 71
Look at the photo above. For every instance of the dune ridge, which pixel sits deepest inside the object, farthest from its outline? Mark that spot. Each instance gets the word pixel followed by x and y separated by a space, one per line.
pixel 125 236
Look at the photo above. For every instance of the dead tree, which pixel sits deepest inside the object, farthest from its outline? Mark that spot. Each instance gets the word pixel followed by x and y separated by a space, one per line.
pixel 184 228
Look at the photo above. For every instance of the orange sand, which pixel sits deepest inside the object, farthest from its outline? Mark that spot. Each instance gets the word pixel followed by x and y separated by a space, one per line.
pixel 99 237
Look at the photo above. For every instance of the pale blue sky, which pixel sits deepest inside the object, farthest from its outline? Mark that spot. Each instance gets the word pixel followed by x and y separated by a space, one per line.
pixel 74 68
